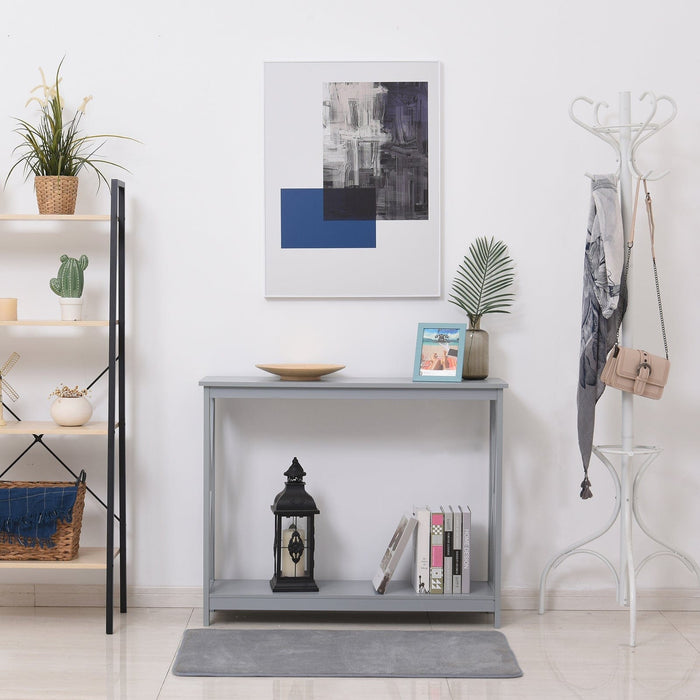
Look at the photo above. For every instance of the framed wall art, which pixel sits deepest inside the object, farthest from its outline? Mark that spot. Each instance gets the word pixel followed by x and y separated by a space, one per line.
pixel 439 352
pixel 352 189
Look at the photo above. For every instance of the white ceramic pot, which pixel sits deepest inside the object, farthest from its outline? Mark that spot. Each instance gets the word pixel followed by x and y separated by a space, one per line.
pixel 71 308
pixel 71 412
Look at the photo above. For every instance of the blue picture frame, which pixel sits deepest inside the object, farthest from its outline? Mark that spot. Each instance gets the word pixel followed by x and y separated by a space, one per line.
pixel 439 352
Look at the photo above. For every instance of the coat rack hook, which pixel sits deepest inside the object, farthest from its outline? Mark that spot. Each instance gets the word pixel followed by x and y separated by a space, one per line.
pixel 648 129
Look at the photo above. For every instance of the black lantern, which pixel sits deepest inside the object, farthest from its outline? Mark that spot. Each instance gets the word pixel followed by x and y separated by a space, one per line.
pixel 294 513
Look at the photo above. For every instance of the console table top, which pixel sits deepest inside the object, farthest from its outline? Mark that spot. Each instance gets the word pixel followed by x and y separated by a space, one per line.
pixel 340 381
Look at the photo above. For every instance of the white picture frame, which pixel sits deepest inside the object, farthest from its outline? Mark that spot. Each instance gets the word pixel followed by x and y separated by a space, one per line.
pixel 305 255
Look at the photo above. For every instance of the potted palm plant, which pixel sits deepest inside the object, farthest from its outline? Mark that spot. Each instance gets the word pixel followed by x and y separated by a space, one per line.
pixel 55 150
pixel 481 286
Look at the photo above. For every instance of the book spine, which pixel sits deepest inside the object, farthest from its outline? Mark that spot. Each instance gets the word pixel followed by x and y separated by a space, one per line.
pixel 447 551
pixel 466 549
pixel 437 534
pixel 421 550
pixel 457 553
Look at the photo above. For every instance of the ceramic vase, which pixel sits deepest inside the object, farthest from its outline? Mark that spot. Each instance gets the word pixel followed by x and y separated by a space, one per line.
pixel 476 353
pixel 71 412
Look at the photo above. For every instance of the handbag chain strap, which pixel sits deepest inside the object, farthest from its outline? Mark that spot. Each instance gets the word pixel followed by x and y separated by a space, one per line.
pixel 628 253
pixel 650 215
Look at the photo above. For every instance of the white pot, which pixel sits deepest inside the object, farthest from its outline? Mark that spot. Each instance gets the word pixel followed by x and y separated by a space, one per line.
pixel 71 308
pixel 71 412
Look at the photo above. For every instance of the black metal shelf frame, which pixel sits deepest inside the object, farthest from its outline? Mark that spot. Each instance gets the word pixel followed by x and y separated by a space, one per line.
pixel 116 409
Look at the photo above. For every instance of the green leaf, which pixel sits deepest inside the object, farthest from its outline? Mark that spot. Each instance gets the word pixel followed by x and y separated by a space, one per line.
pixel 482 280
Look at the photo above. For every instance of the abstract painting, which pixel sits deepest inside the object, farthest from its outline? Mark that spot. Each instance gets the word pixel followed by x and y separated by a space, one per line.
pixel 352 179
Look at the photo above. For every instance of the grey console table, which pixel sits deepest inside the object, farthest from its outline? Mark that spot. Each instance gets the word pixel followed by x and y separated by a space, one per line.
pixel 227 594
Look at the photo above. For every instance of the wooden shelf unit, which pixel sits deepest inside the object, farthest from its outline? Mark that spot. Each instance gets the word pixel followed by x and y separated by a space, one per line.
pixel 101 558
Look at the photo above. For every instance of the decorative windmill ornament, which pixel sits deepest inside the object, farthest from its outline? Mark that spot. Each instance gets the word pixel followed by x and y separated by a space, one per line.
pixel 4 385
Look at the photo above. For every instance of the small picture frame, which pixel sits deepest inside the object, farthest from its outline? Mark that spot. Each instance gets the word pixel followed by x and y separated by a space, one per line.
pixel 439 352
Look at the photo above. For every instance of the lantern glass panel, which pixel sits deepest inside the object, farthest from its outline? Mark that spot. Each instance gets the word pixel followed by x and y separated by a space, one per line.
pixel 294 545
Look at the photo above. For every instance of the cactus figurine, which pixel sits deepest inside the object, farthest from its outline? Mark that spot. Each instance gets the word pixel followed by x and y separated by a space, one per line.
pixel 69 282
pixel 69 286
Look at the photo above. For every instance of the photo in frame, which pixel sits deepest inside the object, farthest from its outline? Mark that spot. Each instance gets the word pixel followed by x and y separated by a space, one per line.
pixel 439 352
pixel 352 179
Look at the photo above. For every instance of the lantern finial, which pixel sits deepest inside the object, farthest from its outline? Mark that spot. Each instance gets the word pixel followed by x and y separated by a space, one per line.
pixel 295 472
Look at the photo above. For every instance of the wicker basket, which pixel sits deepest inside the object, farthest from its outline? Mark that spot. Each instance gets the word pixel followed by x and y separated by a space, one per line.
pixel 56 195
pixel 66 538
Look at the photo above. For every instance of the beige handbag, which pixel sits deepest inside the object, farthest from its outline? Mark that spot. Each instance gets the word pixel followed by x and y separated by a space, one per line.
pixel 637 371
pixel 628 369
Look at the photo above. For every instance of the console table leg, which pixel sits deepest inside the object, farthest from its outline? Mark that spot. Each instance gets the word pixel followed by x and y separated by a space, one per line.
pixel 209 515
pixel 495 503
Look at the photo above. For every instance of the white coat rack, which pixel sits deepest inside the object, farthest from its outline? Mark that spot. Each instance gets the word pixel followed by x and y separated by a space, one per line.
pixel 625 137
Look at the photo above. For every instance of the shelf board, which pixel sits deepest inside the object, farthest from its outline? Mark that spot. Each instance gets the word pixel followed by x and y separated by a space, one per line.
pixel 88 558
pixel 54 217
pixel 47 427
pixel 227 594
pixel 39 322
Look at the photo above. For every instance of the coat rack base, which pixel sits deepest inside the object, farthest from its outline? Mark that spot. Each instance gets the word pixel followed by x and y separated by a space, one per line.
pixel 626 509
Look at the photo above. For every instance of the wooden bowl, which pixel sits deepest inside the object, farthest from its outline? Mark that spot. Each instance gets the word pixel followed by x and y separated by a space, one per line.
pixel 290 372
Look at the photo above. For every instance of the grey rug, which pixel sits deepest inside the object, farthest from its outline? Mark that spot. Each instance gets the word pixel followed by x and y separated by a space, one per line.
pixel 346 653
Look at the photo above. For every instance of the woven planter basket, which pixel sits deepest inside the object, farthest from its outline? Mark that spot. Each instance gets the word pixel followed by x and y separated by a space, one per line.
pixel 56 195
pixel 67 537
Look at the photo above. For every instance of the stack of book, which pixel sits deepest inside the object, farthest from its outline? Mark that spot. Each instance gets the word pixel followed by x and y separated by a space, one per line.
pixel 441 548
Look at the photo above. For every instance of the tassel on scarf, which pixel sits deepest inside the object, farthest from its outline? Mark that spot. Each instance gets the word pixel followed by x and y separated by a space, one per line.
pixel 586 488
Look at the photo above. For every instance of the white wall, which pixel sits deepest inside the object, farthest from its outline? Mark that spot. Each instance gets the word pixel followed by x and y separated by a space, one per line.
pixel 186 79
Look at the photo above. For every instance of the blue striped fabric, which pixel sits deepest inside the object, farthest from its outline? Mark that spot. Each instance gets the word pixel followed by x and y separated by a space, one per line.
pixel 29 516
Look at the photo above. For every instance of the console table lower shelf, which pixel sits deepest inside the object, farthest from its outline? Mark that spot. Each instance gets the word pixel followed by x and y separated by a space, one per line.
pixel 356 596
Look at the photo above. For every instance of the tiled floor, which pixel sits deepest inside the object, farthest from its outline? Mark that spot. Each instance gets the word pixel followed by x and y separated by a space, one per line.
pixel 63 653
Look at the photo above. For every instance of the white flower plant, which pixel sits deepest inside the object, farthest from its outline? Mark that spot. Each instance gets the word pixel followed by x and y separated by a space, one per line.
pixel 55 147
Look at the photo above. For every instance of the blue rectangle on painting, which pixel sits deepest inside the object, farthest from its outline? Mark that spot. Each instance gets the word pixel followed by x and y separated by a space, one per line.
pixel 303 225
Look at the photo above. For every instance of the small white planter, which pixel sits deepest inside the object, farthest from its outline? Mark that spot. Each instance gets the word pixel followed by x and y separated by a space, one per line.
pixel 71 412
pixel 71 308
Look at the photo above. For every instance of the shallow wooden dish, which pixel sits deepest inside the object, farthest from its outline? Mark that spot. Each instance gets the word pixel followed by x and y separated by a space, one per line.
pixel 300 372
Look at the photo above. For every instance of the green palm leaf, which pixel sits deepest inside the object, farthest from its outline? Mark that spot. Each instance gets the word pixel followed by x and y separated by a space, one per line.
pixel 482 280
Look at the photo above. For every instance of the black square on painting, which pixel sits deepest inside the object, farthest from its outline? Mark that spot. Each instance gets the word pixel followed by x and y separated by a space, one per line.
pixel 349 204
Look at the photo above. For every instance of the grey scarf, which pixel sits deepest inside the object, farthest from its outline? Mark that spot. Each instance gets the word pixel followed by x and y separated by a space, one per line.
pixel 604 304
